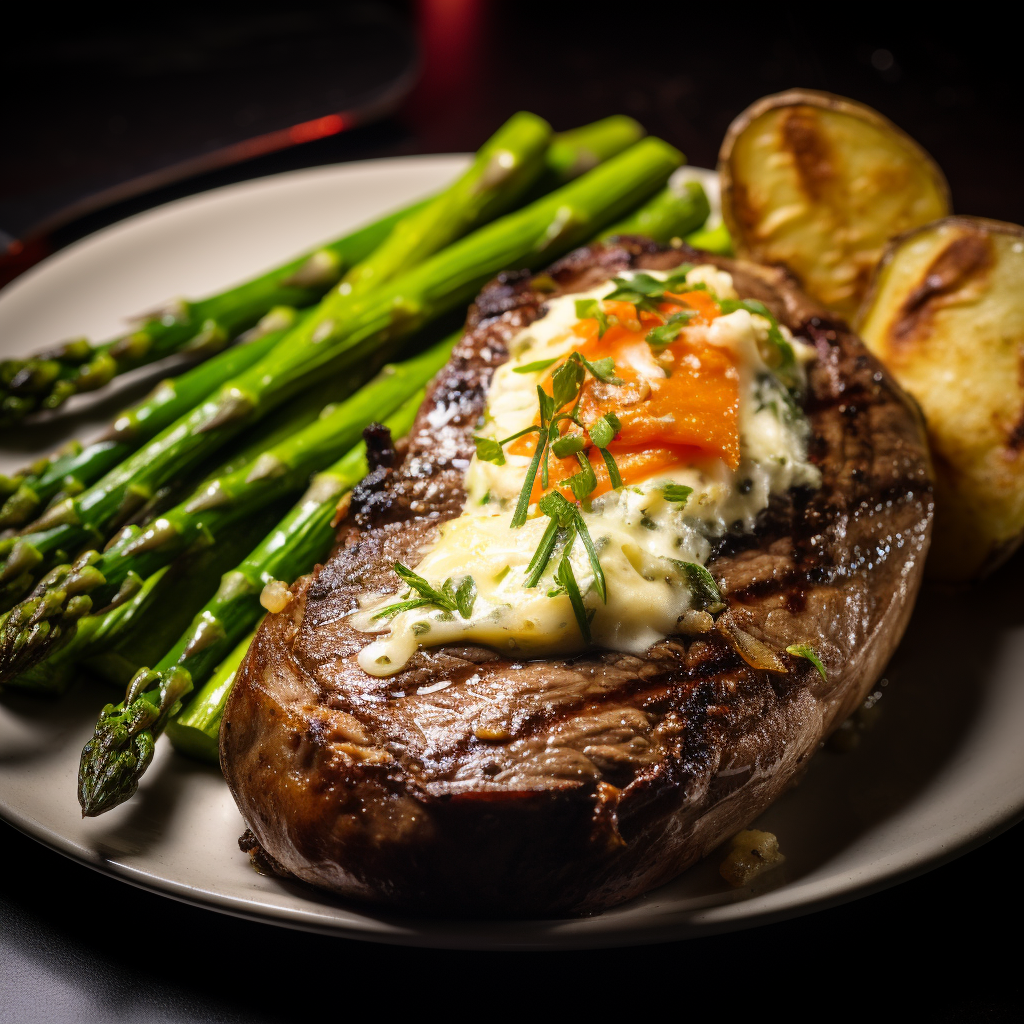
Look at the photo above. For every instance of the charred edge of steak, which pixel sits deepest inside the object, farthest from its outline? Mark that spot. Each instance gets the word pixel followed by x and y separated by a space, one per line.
pixel 261 861
pixel 502 294
pixel 380 449
pixel 371 495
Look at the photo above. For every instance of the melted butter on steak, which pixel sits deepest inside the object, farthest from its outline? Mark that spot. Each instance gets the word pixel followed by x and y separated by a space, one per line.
pixel 646 542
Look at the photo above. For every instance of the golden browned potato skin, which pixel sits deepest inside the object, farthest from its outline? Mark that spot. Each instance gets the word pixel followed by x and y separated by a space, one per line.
pixel 946 316
pixel 819 184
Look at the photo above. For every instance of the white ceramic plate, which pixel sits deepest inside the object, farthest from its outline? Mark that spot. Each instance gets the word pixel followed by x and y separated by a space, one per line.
pixel 942 770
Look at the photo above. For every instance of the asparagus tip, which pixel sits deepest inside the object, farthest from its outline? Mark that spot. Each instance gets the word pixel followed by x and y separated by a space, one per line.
pixel 121 748
pixel 46 619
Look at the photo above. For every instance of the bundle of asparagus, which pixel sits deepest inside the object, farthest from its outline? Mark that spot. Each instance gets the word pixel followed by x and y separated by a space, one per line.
pixel 380 286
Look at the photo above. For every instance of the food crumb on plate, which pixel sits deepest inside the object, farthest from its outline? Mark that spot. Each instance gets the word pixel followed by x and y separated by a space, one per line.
pixel 750 853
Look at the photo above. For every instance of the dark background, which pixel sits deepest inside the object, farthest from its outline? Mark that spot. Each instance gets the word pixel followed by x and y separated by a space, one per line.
pixel 92 100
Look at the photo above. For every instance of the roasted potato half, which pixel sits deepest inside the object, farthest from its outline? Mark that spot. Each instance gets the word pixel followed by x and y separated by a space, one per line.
pixel 945 314
pixel 820 184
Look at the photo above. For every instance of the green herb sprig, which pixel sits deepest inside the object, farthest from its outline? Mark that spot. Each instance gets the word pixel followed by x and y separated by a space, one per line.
pixel 564 516
pixel 645 291
pixel 449 598
pixel 662 336
pixel 808 652
pixel 568 585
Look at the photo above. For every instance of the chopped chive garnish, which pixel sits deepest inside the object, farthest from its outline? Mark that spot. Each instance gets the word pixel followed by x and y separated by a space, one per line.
pixel 547 406
pixel 540 364
pixel 556 507
pixel 523 505
pixel 582 484
pixel 568 581
pixel 542 555
pixel 808 652
pixel 660 337
pixel 613 470
pixel 595 564
pixel 676 492
pixel 568 445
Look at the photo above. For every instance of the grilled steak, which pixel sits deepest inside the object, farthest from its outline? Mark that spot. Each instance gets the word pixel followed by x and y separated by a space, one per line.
pixel 470 783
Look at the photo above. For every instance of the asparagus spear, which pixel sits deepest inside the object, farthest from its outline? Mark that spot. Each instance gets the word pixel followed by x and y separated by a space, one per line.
pixel 195 730
pixel 505 166
pixel 72 469
pixel 47 380
pixel 579 150
pixel 123 744
pixel 288 419
pixel 121 748
pixel 92 631
pixel 716 240
pixel 672 213
pixel 297 413
pixel 342 332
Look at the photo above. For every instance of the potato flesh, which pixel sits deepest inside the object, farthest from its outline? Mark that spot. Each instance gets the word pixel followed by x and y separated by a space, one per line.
pixel 946 316
pixel 822 191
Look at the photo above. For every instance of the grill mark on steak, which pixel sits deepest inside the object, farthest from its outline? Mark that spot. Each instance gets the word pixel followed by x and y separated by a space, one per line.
pixel 474 783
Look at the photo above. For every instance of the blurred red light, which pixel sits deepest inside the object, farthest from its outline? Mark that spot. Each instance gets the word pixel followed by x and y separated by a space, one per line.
pixel 319 128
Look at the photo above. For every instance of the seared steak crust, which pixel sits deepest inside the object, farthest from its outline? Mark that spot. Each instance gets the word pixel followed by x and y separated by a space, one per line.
pixel 472 783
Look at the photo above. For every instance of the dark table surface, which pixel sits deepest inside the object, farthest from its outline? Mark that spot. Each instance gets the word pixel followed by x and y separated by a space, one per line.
pixel 77 946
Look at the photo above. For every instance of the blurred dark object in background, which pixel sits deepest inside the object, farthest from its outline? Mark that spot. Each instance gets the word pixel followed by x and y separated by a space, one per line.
pixel 104 97
pixel 685 72
pixel 112 107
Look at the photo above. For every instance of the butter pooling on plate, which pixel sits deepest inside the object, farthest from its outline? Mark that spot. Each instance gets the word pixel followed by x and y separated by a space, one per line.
pixel 698 388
